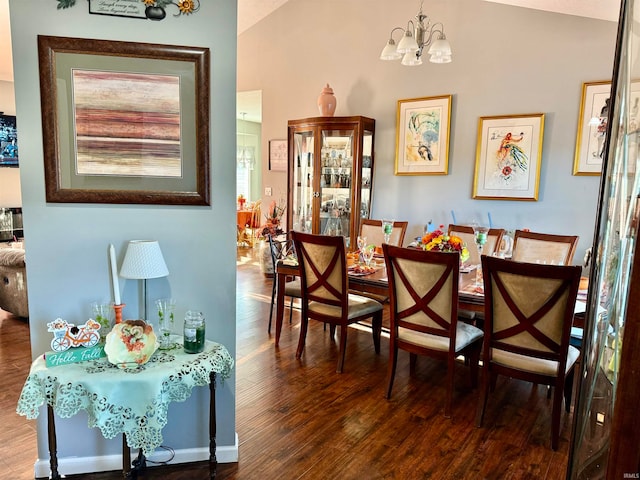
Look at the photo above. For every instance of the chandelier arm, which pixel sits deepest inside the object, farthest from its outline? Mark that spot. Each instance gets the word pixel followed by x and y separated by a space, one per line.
pixel 392 31
pixel 433 30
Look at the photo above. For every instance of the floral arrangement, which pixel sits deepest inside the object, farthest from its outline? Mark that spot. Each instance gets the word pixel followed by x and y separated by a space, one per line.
pixel 439 241
pixel 272 225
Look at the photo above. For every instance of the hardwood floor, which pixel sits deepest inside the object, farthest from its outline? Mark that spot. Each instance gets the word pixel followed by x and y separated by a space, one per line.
pixel 298 419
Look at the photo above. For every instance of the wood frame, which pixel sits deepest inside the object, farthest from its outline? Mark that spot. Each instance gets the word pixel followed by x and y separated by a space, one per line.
pixel 93 152
pixel 278 158
pixel 422 136
pixel 508 157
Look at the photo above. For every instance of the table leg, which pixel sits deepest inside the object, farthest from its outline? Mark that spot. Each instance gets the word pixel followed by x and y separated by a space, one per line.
pixel 280 281
pixel 53 444
pixel 213 461
pixel 126 458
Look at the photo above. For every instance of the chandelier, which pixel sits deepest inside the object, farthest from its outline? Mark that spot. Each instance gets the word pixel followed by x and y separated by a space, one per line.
pixel 418 35
pixel 245 156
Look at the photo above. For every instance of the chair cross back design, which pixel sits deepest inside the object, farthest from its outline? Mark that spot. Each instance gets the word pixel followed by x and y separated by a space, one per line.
pixel 527 323
pixel 529 312
pixel 279 249
pixel 322 281
pixel 325 294
pixel 422 303
pixel 423 296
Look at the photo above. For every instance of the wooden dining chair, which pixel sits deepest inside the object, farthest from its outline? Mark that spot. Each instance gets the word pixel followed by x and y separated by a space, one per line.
pixel 543 247
pixel 372 229
pixel 279 249
pixel 325 294
pixel 465 232
pixel 528 315
pixel 423 295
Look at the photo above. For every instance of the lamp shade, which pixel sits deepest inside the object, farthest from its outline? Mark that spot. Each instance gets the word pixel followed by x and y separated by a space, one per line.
pixel 440 47
pixel 408 43
pixel 143 259
pixel 410 59
pixel 390 51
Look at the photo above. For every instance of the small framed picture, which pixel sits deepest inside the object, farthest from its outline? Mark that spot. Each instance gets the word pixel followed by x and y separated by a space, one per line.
pixel 508 157
pixel 278 155
pixel 422 136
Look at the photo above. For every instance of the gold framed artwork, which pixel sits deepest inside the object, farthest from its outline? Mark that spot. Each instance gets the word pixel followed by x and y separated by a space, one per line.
pixel 422 136
pixel 124 122
pixel 592 128
pixel 508 157
pixel 592 124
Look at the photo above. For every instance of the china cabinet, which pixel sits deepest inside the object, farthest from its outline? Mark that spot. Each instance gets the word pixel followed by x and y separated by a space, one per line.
pixel 330 174
pixel 606 430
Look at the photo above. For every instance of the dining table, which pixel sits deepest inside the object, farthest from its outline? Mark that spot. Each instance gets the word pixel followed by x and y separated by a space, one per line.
pixel 470 293
pixel 470 297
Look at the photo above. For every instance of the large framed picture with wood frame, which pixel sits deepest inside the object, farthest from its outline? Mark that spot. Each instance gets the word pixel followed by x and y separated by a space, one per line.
pixel 124 122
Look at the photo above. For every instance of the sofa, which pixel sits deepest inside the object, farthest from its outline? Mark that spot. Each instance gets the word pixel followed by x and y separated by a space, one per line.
pixel 13 282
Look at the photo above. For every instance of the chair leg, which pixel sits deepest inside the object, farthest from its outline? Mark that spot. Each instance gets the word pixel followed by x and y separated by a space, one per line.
pixel 332 331
pixel 474 359
pixel 451 365
pixel 412 363
pixel 304 323
pixel 343 346
pixel 291 310
pixel 273 297
pixel 555 416
pixel 377 330
pixel 484 391
pixel 393 361
pixel 568 389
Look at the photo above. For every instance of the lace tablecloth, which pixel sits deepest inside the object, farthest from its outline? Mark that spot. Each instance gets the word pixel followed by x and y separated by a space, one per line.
pixel 131 401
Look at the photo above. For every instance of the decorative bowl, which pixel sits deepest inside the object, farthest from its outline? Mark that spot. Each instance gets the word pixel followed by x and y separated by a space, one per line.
pixel 130 343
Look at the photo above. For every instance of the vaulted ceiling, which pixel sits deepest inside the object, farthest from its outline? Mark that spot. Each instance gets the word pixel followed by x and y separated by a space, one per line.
pixel 251 12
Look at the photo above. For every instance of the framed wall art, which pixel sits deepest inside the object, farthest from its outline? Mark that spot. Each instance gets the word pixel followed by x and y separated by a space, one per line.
pixel 508 157
pixel 278 155
pixel 592 128
pixel 592 124
pixel 422 136
pixel 124 122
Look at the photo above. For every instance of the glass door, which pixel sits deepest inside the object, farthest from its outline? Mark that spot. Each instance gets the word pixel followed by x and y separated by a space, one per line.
pixel 302 182
pixel 366 174
pixel 336 178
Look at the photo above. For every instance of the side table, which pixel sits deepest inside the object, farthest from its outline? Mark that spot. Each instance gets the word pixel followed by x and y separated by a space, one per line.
pixel 132 402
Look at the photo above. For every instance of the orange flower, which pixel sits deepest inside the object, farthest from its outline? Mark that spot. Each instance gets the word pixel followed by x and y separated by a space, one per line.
pixel 186 6
pixel 149 3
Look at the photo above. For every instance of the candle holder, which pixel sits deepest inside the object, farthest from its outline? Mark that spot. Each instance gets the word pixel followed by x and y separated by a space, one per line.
pixel 118 311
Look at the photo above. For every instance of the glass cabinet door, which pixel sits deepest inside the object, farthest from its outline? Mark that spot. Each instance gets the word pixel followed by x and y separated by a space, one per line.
pixel 302 207
pixel 336 177
pixel 366 174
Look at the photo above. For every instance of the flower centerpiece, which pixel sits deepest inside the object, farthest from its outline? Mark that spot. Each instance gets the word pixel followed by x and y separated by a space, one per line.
pixel 439 241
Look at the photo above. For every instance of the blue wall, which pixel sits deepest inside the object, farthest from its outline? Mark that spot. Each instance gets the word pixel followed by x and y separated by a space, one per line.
pixel 67 244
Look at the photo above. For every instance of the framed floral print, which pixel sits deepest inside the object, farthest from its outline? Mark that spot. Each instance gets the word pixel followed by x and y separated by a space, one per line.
pixel 508 157
pixel 422 136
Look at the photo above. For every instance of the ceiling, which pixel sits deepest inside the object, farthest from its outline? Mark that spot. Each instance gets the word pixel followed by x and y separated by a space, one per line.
pixel 251 12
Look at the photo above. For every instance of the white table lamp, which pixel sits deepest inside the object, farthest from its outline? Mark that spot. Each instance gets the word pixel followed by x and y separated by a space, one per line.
pixel 143 260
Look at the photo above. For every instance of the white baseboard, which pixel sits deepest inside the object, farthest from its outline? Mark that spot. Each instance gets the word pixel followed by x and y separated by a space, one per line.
pixel 106 463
